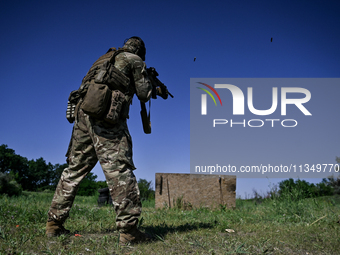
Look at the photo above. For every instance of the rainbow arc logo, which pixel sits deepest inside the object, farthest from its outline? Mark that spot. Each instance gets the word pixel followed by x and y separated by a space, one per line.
pixel 204 97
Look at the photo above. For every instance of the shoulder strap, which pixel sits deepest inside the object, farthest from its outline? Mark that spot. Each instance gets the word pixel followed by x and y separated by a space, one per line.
pixel 146 118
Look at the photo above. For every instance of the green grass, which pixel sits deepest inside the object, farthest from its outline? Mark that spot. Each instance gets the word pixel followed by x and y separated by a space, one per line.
pixel 279 226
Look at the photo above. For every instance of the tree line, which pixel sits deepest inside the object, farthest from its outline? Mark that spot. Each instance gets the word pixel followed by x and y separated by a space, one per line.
pixel 17 173
pixel 36 175
pixel 300 189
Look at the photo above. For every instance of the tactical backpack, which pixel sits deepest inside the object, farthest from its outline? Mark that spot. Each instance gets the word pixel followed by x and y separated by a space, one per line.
pixel 103 91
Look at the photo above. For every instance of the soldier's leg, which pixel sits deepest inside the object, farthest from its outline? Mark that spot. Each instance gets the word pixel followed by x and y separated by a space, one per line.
pixel 114 151
pixel 81 160
pixel 125 197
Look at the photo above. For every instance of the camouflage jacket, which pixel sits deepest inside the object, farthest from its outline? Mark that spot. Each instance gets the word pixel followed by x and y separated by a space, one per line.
pixel 133 67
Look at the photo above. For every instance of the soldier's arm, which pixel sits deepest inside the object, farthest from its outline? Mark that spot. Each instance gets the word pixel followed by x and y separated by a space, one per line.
pixel 142 81
pixel 129 64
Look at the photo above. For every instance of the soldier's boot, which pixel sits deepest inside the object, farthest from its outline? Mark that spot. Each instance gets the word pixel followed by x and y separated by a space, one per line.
pixel 55 228
pixel 134 236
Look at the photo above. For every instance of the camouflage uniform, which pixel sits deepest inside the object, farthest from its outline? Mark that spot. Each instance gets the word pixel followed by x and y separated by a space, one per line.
pixel 97 140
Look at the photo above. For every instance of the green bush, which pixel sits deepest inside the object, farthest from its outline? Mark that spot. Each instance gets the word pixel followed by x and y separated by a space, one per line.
pixel 146 190
pixel 333 182
pixel 301 189
pixel 88 186
pixel 9 186
pixel 101 184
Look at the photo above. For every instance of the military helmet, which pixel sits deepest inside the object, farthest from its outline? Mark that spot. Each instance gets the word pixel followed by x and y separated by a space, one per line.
pixel 136 46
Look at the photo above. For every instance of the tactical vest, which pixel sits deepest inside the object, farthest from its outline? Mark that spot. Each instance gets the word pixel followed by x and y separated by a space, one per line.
pixel 103 92
pixel 103 71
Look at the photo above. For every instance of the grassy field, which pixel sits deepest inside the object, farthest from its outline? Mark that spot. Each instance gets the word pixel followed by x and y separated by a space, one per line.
pixel 275 226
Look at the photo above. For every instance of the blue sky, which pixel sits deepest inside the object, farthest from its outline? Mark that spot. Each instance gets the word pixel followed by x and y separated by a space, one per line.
pixel 47 47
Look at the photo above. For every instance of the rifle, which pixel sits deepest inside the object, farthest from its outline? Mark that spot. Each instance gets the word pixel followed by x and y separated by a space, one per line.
pixel 158 88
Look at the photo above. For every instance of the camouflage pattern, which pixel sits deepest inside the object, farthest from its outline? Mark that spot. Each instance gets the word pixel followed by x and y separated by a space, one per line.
pixel 132 65
pixel 97 140
pixel 136 46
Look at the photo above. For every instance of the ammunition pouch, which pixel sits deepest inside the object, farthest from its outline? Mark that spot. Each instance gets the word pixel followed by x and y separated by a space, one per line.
pixel 99 101
pixel 96 100
pixel 70 112
pixel 72 102
pixel 118 108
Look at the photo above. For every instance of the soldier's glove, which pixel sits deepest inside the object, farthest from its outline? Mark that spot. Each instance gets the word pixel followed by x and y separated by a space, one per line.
pixel 162 92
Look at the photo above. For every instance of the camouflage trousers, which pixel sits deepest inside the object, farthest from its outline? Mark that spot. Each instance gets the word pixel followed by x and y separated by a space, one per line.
pixel 94 140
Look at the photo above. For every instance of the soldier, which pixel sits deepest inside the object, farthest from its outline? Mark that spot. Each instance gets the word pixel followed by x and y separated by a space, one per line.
pixel 106 139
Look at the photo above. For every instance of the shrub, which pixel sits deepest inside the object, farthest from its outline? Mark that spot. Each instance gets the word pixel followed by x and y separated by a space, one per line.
pixel 145 189
pixel 9 186
pixel 333 182
pixel 88 186
pixel 301 189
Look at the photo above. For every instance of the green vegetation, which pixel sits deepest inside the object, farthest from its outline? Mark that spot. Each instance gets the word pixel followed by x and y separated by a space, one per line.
pixel 9 186
pixel 17 173
pixel 296 218
pixel 146 190
pixel 301 189
pixel 32 175
pixel 284 224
